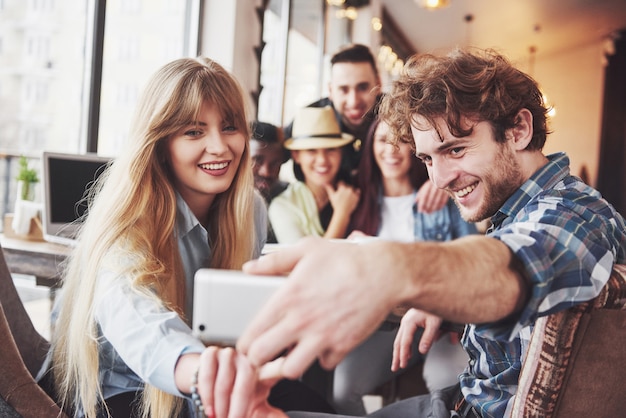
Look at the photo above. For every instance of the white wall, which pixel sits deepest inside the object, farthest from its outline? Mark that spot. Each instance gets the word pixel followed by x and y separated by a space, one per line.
pixel 231 30
pixel 574 83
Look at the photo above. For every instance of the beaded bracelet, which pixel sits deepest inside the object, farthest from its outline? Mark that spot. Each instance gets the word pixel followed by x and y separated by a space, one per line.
pixel 195 397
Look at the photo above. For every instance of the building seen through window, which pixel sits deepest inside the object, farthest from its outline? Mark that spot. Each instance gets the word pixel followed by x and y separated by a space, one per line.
pixel 46 65
pixel 46 69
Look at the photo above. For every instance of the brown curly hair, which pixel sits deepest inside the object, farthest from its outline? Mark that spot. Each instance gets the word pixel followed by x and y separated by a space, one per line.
pixel 480 85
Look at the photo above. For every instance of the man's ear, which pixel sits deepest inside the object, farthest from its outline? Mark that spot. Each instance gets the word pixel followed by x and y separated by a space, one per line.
pixel 522 133
pixel 330 91
pixel 295 156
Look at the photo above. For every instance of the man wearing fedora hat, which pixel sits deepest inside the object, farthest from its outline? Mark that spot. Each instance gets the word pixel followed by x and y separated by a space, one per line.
pixel 321 201
pixel 354 91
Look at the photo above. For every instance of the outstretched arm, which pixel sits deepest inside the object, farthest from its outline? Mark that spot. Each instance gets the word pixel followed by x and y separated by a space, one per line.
pixel 473 279
pixel 338 293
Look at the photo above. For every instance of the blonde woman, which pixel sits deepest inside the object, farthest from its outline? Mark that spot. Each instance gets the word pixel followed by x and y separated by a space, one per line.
pixel 179 198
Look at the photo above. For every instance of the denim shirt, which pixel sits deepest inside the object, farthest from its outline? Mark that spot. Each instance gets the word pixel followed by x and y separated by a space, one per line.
pixel 443 225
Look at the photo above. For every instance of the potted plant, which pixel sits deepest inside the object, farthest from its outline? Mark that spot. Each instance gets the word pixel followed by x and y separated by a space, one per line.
pixel 26 179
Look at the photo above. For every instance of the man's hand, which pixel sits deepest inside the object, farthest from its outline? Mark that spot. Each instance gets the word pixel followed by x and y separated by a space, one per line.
pixel 411 321
pixel 430 199
pixel 327 306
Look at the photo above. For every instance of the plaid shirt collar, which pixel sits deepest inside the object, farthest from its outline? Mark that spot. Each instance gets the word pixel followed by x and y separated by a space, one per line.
pixel 546 177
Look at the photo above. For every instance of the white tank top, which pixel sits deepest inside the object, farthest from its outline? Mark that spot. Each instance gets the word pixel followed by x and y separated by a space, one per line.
pixel 397 218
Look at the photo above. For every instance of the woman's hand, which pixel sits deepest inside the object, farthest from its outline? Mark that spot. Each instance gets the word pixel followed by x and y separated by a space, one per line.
pixel 431 199
pixel 344 198
pixel 411 321
pixel 229 386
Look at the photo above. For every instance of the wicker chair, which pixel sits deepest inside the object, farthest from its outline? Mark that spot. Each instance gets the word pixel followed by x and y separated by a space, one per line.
pixel 576 361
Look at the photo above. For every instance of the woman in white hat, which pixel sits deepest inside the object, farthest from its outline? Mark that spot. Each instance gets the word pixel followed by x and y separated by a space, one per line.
pixel 321 202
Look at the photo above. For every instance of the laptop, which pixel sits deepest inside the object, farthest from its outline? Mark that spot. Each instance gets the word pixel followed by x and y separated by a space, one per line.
pixel 225 301
pixel 66 181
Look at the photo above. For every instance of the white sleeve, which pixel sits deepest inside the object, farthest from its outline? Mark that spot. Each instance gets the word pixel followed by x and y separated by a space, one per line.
pixel 147 337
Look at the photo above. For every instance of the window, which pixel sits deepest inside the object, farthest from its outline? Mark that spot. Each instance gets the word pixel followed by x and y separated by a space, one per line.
pixel 46 49
pixel 140 37
pixel 295 59
pixel 50 72
pixel 39 110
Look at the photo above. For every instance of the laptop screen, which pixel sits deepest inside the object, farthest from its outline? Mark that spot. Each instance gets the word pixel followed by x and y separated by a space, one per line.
pixel 67 178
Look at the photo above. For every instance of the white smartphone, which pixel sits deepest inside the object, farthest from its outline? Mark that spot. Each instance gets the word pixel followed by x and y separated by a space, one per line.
pixel 225 301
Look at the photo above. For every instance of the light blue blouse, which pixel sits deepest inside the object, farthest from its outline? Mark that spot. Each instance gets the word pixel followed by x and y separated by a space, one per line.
pixel 140 340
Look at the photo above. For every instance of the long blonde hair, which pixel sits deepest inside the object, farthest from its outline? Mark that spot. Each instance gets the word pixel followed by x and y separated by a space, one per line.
pixel 132 217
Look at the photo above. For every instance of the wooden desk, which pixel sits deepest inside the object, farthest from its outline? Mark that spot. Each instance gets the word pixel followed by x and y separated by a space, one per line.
pixel 36 258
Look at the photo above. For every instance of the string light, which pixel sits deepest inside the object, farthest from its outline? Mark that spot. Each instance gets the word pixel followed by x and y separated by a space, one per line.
pixel 389 60
pixel 347 13
pixel 433 4
pixel 377 24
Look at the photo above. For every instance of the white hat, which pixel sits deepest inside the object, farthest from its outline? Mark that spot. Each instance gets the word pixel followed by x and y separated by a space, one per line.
pixel 316 128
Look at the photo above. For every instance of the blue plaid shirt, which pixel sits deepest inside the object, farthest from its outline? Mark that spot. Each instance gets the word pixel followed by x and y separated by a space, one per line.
pixel 567 238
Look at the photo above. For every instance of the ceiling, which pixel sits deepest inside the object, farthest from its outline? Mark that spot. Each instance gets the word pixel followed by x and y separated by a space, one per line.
pixel 510 26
